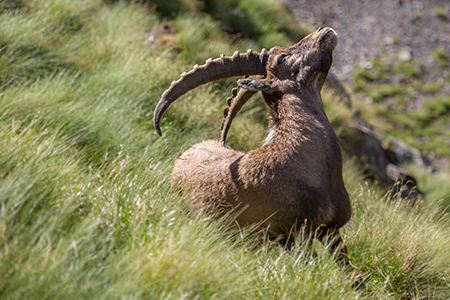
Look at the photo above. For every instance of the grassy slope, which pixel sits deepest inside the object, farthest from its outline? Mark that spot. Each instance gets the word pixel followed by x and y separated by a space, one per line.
pixel 395 106
pixel 392 88
pixel 86 205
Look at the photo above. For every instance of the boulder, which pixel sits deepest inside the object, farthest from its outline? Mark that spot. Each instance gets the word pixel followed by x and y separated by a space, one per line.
pixel 381 162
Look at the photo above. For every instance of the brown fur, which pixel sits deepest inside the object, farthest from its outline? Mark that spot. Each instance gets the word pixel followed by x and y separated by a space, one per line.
pixel 297 178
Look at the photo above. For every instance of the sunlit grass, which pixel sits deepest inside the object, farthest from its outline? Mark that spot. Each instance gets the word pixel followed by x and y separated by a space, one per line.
pixel 86 207
pixel 403 253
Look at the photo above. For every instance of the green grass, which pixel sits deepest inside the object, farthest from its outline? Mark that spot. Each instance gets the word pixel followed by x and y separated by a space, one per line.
pixel 86 208
pixel 440 12
pixel 440 56
pixel 392 89
pixel 435 187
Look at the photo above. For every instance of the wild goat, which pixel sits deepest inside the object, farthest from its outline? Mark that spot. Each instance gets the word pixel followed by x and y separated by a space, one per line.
pixel 296 179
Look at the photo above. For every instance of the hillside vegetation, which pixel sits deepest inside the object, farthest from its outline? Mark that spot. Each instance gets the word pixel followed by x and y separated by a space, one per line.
pixel 86 207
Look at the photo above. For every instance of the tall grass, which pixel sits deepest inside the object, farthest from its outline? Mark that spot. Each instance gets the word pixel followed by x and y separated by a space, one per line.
pixel 86 208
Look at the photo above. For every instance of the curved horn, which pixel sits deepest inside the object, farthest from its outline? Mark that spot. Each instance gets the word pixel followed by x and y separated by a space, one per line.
pixel 250 63
pixel 239 97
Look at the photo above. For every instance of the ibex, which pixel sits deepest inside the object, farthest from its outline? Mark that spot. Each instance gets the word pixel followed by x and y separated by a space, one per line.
pixel 293 181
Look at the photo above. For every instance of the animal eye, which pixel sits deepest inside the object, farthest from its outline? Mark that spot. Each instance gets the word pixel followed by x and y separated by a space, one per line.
pixel 281 59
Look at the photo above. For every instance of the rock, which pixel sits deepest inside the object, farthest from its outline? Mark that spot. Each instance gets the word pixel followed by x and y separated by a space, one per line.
pixel 162 34
pixel 380 163
pixel 362 144
pixel 404 55
pixel 406 154
pixel 405 185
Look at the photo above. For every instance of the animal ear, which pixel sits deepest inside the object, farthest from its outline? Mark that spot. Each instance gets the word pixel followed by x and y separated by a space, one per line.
pixel 255 85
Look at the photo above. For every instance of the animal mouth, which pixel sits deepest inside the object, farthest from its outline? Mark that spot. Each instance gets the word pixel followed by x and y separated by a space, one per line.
pixel 327 37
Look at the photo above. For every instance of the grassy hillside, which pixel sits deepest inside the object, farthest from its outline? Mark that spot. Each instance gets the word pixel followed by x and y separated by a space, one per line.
pixel 86 208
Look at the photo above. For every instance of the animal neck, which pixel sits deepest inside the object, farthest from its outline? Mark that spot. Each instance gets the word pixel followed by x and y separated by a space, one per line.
pixel 300 122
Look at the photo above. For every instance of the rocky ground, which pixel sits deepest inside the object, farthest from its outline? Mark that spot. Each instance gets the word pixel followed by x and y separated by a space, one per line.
pixel 370 29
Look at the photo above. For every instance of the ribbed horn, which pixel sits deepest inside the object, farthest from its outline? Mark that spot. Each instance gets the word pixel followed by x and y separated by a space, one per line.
pixel 239 97
pixel 250 63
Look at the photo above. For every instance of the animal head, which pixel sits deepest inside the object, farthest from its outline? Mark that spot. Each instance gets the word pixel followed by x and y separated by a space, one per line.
pixel 303 66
